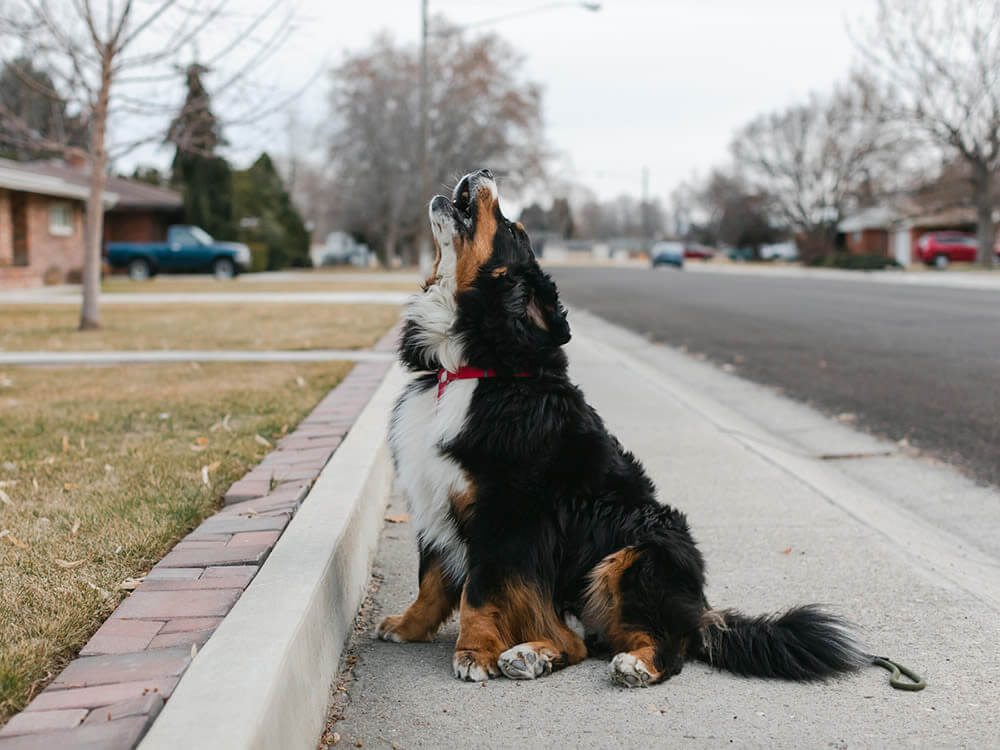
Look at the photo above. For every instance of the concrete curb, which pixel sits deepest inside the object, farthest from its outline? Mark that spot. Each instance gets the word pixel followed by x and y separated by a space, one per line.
pixel 263 679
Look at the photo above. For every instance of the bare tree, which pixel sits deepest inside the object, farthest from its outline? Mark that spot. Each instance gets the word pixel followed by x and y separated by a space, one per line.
pixel 481 113
pixel 815 159
pixel 111 60
pixel 942 59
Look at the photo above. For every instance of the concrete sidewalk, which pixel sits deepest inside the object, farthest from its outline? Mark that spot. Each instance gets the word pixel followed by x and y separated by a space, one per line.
pixel 789 507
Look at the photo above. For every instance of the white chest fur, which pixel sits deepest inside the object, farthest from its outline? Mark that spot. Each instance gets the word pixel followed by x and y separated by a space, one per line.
pixel 422 423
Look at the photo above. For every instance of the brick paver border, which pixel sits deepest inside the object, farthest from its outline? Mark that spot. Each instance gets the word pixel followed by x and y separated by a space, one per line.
pixel 110 694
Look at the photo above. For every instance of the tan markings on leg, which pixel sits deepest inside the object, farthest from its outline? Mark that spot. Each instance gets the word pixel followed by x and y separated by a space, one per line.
pixel 475 252
pixel 603 605
pixel 421 619
pixel 519 225
pixel 497 272
pixel 463 504
pixel 519 614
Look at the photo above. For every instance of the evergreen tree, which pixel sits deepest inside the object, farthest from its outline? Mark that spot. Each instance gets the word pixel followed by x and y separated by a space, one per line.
pixel 28 97
pixel 203 177
pixel 267 216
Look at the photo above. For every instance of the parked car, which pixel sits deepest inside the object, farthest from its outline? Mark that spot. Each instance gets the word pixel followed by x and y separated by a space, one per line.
pixel 698 252
pixel 667 254
pixel 187 250
pixel 941 249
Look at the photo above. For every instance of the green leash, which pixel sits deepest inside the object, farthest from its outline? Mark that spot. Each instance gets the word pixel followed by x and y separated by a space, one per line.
pixel 897 672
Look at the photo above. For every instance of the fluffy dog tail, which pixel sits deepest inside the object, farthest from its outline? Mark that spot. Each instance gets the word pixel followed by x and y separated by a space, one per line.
pixel 802 644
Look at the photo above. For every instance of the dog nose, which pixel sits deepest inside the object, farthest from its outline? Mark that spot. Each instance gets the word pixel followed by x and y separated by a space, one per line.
pixel 486 173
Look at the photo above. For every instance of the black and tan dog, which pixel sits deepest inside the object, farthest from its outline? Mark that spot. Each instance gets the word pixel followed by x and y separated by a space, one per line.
pixel 530 517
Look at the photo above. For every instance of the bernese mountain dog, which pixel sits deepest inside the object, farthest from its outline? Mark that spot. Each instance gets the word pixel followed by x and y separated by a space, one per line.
pixel 530 517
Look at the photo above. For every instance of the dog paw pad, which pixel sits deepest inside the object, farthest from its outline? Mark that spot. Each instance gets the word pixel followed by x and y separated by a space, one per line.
pixel 522 662
pixel 629 671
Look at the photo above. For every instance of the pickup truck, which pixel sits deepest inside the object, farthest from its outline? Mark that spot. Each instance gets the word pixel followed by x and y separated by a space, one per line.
pixel 187 250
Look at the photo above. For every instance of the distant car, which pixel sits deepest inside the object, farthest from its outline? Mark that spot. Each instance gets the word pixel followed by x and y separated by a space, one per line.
pixel 698 252
pixel 187 250
pixel 667 254
pixel 941 249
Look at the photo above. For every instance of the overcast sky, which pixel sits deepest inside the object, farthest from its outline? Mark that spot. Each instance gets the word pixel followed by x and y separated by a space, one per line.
pixel 660 83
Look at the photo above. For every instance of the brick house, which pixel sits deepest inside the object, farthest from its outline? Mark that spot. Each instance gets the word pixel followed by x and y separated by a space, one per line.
pixel 42 219
pixel 895 232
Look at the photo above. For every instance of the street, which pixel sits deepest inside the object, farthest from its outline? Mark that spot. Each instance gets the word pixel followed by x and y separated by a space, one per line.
pixel 920 363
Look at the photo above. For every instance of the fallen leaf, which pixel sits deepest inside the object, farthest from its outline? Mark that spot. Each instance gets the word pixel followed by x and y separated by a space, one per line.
pixel 197 448
pixel 14 540
pixel 8 483
pixel 69 565
pixel 201 440
pixel 108 468
pixel 284 430
pixel 71 486
pixel 786 551
pixel 5 498
pixel 90 417
pixel 214 465
pixel 204 476
pixel 261 440
pixel 301 381
pixel 76 527
pixel 225 423
pixel 130 584
pixel 34 483
pixel 83 444
pixel 194 650
pixel 65 444
pixel 401 518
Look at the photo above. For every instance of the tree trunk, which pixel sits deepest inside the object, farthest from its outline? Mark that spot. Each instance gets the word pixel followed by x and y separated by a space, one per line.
pixel 985 233
pixel 90 315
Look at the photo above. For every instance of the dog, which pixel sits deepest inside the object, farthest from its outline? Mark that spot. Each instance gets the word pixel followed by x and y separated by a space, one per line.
pixel 531 518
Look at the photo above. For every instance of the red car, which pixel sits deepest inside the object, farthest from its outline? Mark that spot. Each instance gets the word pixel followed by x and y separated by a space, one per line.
pixel 940 249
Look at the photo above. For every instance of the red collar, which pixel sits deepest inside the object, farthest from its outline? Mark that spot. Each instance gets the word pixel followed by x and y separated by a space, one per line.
pixel 467 373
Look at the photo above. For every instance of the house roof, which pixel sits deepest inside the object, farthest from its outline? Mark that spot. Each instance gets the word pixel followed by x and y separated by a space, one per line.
pixel 876 217
pixel 65 181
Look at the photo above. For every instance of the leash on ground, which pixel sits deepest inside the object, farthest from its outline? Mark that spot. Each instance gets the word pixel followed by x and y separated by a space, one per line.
pixel 896 674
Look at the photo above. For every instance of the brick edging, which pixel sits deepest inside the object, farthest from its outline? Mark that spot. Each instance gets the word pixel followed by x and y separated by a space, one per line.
pixel 113 691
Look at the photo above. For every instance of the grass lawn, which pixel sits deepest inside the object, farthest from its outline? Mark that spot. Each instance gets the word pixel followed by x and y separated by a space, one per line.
pixel 318 283
pixel 102 470
pixel 188 326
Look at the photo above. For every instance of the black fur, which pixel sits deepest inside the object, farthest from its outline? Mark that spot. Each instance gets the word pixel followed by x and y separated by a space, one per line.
pixel 557 493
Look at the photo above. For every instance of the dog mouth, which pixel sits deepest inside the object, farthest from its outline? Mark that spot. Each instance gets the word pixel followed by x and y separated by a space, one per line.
pixel 462 198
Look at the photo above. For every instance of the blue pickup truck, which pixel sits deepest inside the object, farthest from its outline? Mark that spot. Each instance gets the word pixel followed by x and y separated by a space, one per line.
pixel 187 250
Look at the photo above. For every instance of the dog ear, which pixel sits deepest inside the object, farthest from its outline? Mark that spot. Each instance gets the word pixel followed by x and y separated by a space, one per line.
pixel 550 319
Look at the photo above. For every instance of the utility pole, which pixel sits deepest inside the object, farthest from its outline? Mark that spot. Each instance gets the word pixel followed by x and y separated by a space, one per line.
pixel 646 242
pixel 423 240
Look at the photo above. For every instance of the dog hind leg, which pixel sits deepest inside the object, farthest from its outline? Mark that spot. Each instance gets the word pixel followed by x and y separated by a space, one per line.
pixel 435 602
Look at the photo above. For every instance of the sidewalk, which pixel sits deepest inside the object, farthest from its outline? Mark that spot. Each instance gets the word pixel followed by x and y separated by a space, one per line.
pixel 952 279
pixel 789 508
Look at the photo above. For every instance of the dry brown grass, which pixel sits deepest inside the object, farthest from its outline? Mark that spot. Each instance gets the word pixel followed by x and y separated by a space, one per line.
pixel 208 326
pixel 101 470
pixel 160 285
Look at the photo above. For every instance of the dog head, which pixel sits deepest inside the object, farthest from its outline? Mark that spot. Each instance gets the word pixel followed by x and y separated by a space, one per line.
pixel 488 303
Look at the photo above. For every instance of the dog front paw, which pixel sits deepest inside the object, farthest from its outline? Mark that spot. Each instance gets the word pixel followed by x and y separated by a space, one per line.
pixel 474 666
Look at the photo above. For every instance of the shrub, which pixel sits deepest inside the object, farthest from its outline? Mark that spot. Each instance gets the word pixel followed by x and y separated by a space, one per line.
pixel 851 262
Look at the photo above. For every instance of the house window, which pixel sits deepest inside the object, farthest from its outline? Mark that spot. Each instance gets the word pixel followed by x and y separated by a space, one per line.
pixel 60 219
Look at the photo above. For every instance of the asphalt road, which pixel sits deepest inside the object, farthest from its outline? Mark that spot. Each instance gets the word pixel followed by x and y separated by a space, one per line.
pixel 920 363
